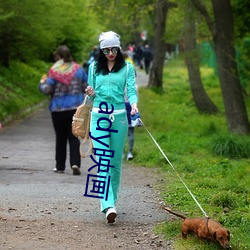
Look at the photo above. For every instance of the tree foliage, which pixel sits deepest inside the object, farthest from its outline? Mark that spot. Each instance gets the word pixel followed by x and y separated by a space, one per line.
pixel 28 33
pixel 126 17
pixel 242 35
pixel 33 29
pixel 241 18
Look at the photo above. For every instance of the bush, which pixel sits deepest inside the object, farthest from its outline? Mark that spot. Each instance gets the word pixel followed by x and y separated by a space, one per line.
pixel 231 146
pixel 19 88
pixel 224 200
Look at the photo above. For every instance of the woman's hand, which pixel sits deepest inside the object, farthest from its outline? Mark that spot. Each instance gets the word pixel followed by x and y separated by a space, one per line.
pixel 90 91
pixel 134 109
pixel 43 79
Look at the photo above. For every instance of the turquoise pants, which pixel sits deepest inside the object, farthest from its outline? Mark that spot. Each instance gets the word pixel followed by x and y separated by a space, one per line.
pixel 112 141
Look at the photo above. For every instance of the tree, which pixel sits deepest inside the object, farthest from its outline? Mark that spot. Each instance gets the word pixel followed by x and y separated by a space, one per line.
pixel 241 17
pixel 223 38
pixel 28 33
pixel 242 33
pixel 201 99
pixel 159 46
pixel 127 17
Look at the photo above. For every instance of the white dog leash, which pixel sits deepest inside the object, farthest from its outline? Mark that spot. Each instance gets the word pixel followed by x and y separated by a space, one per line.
pixel 174 170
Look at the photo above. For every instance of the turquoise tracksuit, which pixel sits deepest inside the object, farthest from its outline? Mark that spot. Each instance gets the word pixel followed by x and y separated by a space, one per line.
pixel 113 128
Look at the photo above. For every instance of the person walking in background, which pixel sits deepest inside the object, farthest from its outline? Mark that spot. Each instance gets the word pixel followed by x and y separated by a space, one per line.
pixel 65 83
pixel 93 55
pixel 138 52
pixel 128 109
pixel 127 58
pixel 147 54
pixel 130 133
pixel 108 78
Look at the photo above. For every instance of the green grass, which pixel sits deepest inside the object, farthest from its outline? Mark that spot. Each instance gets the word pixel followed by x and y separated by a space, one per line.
pixel 19 88
pixel 214 164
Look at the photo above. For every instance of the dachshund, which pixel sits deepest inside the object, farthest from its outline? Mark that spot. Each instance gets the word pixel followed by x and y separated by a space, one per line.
pixel 204 229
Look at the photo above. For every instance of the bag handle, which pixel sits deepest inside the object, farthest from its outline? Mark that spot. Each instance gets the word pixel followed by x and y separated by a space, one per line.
pixel 84 155
pixel 85 99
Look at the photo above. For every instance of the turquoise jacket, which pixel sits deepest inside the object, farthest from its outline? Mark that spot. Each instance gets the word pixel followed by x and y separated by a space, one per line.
pixel 110 88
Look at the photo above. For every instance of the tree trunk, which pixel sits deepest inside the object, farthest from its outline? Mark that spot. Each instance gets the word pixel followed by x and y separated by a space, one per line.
pixel 223 38
pixel 201 99
pixel 159 47
pixel 235 109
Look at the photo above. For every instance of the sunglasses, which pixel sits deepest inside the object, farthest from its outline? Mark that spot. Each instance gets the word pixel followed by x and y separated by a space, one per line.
pixel 106 51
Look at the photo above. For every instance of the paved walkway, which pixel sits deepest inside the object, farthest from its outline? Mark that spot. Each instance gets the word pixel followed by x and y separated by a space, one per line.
pixel 141 78
pixel 31 191
pixel 26 163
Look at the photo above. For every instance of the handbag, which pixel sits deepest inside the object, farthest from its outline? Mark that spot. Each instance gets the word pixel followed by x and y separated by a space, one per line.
pixel 81 126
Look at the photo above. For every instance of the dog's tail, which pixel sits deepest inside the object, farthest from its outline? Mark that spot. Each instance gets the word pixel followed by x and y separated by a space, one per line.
pixel 175 213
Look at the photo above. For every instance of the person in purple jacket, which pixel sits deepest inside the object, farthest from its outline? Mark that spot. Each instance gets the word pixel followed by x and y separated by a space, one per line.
pixel 65 83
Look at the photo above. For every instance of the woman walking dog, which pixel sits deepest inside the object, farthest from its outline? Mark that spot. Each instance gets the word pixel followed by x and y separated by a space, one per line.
pixel 108 78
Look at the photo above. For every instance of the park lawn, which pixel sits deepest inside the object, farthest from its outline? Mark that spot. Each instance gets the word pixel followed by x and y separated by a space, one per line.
pixel 219 182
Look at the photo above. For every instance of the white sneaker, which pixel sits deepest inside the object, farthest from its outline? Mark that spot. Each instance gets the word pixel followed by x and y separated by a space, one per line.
pixel 58 171
pixel 111 214
pixel 129 156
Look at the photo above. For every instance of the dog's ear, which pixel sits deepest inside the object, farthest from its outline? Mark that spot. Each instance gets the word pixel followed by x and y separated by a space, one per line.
pixel 214 235
pixel 228 237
